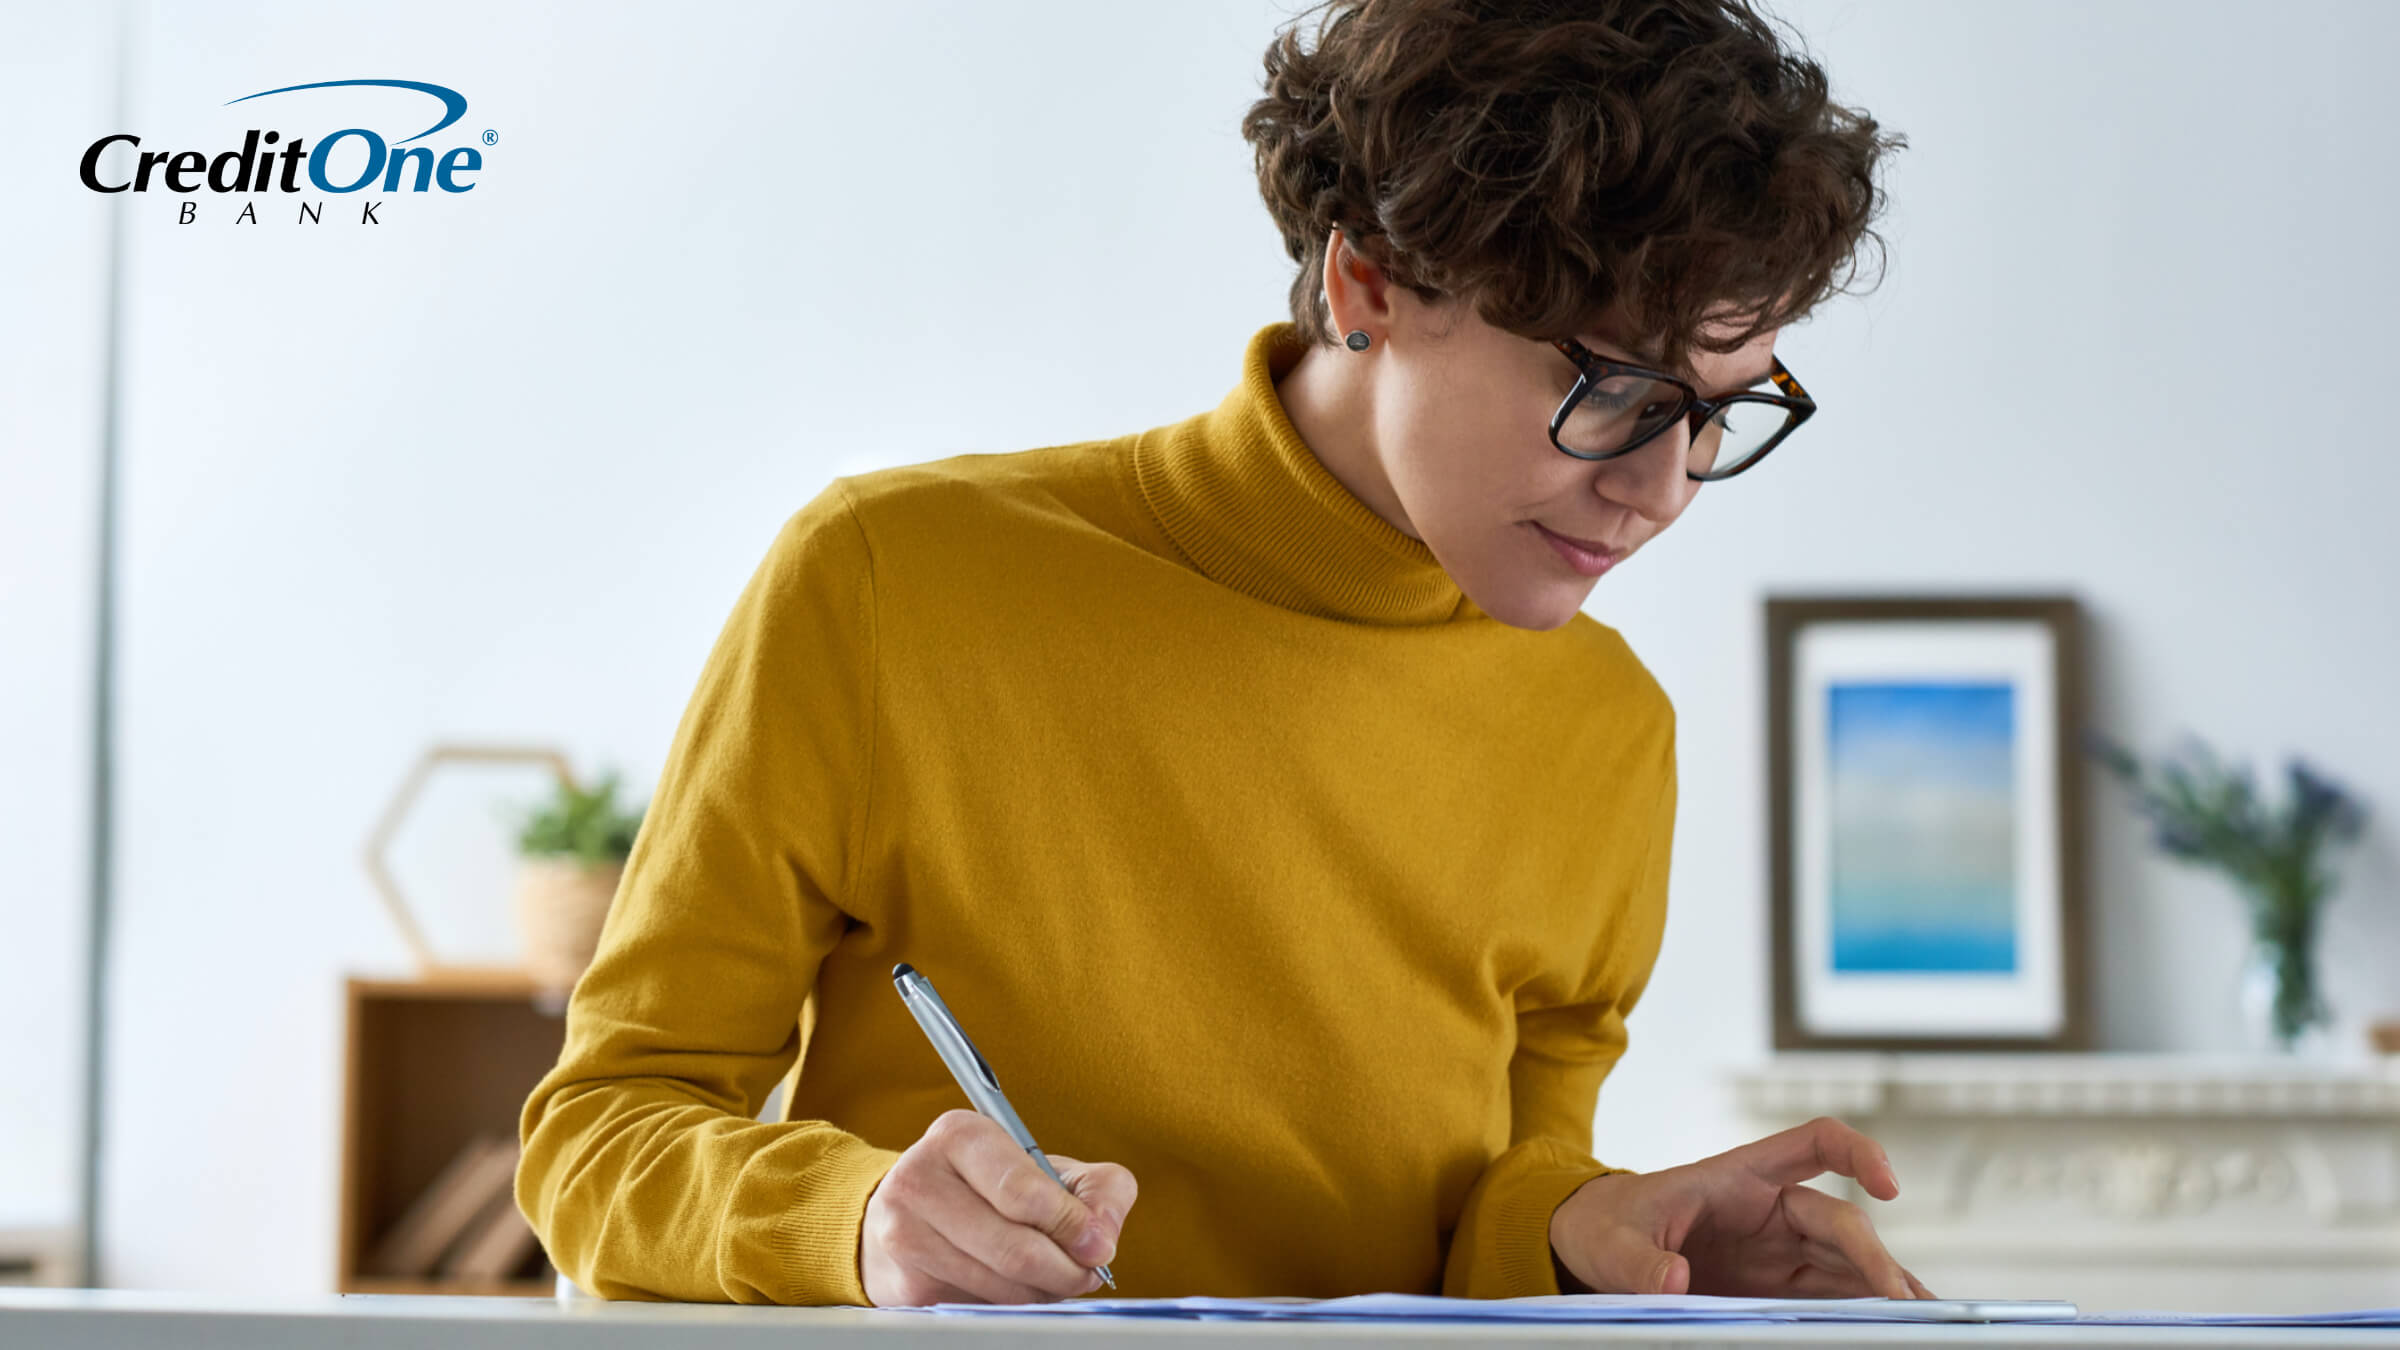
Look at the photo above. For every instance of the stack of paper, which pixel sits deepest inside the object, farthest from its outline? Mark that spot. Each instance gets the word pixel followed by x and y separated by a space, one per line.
pixel 1550 1308
pixel 1648 1308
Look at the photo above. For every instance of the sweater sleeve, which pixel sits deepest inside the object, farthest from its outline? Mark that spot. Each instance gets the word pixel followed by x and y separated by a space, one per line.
pixel 644 1169
pixel 1501 1247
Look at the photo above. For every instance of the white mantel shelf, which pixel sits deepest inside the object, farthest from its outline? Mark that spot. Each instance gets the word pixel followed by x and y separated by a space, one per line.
pixel 2207 1183
pixel 2096 1083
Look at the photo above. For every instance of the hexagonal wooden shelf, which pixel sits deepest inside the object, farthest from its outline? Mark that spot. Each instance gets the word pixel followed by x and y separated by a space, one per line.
pixel 404 797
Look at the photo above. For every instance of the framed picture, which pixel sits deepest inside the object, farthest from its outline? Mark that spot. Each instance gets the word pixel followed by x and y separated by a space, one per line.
pixel 1925 841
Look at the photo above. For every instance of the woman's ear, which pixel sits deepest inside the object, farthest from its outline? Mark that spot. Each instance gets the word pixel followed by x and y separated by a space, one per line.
pixel 1365 288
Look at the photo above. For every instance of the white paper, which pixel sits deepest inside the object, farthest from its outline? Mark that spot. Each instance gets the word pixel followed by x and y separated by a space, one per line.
pixel 1547 1308
pixel 1608 1308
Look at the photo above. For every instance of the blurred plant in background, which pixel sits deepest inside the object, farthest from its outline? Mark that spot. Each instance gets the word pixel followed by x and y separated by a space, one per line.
pixel 574 846
pixel 585 824
pixel 2206 813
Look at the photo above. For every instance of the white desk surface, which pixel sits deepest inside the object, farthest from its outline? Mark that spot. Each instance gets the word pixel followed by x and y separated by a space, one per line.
pixel 132 1319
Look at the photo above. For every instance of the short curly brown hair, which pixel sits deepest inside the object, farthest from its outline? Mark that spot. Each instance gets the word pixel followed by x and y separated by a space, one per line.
pixel 1556 161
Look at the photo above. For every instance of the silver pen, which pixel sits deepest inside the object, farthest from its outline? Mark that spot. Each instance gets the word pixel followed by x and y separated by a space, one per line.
pixel 967 1065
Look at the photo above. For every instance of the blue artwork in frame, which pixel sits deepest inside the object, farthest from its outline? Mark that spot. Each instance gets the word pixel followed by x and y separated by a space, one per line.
pixel 1925 851
pixel 1930 888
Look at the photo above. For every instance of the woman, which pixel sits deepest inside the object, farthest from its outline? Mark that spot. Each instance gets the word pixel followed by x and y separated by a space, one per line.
pixel 1252 786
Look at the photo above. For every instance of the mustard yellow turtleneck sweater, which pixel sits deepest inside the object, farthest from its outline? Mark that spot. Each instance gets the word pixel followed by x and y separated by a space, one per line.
pixel 1252 855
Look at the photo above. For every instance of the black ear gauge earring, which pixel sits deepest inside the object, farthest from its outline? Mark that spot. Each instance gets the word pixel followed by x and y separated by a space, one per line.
pixel 1357 340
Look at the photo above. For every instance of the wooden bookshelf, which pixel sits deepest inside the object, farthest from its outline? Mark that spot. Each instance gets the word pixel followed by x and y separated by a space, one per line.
pixel 434 1061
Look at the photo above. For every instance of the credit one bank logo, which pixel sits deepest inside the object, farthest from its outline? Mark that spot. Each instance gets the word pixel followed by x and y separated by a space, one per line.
pixel 260 167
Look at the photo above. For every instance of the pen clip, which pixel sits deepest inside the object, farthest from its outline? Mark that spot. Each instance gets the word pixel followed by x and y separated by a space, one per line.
pixel 919 993
pixel 925 987
pixel 986 1069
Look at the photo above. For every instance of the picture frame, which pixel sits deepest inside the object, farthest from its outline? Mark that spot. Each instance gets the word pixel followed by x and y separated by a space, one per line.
pixel 1926 850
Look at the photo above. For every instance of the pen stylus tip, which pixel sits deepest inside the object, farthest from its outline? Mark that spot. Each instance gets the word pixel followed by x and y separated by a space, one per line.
pixel 904 968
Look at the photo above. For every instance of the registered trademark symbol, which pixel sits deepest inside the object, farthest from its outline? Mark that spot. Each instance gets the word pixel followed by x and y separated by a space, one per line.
pixel 491 138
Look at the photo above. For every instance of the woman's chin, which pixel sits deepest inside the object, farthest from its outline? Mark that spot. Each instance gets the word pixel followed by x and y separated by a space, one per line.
pixel 1538 606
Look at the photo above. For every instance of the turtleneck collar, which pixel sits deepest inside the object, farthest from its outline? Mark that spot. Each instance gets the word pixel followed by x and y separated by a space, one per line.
pixel 1249 504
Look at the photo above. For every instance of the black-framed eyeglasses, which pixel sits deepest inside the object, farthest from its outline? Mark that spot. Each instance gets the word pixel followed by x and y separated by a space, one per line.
pixel 1616 407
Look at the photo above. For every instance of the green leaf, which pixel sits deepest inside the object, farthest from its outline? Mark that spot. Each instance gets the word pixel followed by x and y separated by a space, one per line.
pixel 580 823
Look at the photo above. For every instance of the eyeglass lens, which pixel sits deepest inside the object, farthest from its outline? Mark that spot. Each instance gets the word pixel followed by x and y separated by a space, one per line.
pixel 1618 410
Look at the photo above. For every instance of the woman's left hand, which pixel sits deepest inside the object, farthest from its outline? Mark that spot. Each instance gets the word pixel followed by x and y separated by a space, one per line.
pixel 1739 1223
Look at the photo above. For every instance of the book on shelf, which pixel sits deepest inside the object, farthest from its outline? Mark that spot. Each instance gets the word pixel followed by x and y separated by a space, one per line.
pixel 497 1245
pixel 447 1210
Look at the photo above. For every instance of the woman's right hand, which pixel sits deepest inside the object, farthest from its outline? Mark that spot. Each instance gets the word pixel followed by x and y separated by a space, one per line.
pixel 965 1217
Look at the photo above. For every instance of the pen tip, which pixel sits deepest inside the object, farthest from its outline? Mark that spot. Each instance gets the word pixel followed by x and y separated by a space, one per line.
pixel 904 968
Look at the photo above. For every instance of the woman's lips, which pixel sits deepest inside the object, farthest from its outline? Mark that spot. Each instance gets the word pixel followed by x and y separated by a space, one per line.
pixel 1588 559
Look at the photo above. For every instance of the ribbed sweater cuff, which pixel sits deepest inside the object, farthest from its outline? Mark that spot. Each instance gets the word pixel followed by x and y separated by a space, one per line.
pixel 817 1241
pixel 1521 1224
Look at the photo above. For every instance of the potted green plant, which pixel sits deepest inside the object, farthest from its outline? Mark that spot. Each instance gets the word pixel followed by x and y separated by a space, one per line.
pixel 572 849
pixel 2205 813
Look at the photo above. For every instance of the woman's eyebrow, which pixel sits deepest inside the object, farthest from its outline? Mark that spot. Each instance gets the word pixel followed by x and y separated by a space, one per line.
pixel 1766 372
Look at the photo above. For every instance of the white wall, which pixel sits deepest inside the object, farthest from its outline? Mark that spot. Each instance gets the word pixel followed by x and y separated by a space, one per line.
pixel 496 467
pixel 57 80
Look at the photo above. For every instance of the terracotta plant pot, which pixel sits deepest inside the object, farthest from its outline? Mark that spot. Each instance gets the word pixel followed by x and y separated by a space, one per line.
pixel 561 904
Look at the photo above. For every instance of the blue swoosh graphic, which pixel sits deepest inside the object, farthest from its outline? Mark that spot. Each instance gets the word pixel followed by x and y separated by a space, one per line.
pixel 452 100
